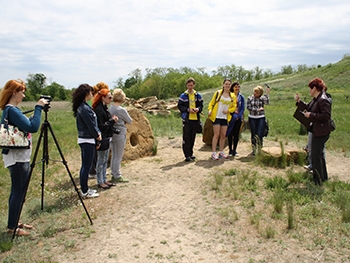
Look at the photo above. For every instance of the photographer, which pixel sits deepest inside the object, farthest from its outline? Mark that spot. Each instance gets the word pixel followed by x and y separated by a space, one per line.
pixel 105 124
pixel 17 160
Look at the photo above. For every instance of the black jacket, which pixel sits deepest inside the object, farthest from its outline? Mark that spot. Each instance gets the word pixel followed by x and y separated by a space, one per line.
pixel 320 109
pixel 104 120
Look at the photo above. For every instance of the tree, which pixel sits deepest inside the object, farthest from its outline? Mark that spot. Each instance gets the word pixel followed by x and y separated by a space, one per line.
pixel 119 84
pixel 36 84
pixel 258 73
pixel 287 70
pixel 56 91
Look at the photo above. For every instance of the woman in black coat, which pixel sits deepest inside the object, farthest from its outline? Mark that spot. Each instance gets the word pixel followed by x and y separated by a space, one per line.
pixel 319 113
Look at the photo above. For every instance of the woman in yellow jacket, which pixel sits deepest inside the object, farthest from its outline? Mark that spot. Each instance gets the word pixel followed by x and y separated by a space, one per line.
pixel 222 104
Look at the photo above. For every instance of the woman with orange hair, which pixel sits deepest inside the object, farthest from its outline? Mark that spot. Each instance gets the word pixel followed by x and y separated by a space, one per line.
pixel 105 123
pixel 17 160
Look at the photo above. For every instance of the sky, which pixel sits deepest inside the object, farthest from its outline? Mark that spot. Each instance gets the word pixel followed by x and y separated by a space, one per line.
pixel 87 41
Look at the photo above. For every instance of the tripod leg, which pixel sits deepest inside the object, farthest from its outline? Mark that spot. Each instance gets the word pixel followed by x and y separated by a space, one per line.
pixel 69 173
pixel 28 180
pixel 45 161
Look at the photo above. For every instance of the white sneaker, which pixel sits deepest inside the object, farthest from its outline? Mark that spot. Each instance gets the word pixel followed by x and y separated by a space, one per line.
pixel 214 156
pixel 222 155
pixel 92 191
pixel 90 194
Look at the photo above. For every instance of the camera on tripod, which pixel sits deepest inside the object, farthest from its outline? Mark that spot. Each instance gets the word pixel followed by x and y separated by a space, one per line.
pixel 46 97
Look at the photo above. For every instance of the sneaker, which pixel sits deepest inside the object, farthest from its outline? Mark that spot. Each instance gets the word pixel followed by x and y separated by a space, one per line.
pixel 92 191
pixel 230 154
pixel 236 154
pixel 222 155
pixel 214 156
pixel 308 167
pixel 90 194
pixel 120 179
pixel 193 157
pixel 188 159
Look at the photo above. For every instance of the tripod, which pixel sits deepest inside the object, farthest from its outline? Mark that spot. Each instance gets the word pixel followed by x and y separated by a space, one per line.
pixel 45 127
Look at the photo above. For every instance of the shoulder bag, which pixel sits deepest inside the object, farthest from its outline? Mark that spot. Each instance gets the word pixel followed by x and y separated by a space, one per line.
pixel 12 137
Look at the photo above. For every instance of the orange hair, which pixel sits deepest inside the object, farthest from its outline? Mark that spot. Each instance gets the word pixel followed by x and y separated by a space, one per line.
pixel 10 87
pixel 98 97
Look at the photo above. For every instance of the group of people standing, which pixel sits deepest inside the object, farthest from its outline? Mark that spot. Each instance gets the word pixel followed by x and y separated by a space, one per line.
pixel 226 112
pixel 100 129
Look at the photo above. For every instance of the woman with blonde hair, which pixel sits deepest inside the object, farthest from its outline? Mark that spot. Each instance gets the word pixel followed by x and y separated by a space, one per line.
pixel 221 106
pixel 105 123
pixel 119 136
pixel 17 160
pixel 256 107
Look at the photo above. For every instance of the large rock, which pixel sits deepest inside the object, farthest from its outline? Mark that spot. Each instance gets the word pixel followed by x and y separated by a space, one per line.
pixel 292 153
pixel 139 136
pixel 208 132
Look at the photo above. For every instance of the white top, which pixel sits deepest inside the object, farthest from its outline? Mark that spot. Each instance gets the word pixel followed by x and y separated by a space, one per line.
pixel 17 155
pixel 224 104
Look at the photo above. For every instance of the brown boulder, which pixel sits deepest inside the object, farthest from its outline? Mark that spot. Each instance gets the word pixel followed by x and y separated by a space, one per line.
pixel 208 132
pixel 139 136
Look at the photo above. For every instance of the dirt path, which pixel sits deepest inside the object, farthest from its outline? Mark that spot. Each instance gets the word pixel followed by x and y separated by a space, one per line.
pixel 167 214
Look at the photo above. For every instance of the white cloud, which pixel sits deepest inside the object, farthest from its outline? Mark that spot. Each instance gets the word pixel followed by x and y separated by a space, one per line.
pixel 90 41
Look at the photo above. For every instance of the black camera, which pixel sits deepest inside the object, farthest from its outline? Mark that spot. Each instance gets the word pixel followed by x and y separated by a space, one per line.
pixel 46 97
pixel 116 131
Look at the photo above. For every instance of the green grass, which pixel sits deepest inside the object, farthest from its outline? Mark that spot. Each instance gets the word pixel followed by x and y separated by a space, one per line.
pixel 307 211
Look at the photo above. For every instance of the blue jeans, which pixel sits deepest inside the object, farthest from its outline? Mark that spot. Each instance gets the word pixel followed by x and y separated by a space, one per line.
pixel 101 166
pixel 87 157
pixel 257 127
pixel 19 178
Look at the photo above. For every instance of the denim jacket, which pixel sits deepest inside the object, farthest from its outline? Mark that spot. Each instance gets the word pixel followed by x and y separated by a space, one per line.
pixel 87 122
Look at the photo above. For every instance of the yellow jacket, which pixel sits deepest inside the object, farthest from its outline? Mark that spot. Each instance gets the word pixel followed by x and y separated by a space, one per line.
pixel 214 104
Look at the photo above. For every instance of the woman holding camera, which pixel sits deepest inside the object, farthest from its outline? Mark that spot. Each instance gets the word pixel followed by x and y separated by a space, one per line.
pixel 17 160
pixel 105 124
pixel 119 136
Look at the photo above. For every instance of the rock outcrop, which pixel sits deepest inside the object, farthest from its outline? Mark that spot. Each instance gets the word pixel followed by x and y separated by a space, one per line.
pixel 139 136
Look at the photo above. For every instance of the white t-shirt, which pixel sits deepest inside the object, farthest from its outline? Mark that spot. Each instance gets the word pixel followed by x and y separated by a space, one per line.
pixel 224 104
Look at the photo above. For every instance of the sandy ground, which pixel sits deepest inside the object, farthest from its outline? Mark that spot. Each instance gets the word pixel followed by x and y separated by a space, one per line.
pixel 167 213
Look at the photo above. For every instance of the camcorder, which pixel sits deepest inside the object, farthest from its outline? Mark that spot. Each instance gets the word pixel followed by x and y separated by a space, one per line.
pixel 46 97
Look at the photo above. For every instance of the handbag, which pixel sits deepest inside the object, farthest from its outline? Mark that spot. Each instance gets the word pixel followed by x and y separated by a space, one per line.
pixel 199 127
pixel 11 137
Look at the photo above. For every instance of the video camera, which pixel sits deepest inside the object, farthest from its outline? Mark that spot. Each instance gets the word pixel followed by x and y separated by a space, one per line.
pixel 46 97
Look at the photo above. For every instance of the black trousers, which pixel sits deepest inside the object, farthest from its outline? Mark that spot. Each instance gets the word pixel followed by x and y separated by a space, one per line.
pixel 233 137
pixel 318 159
pixel 188 137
